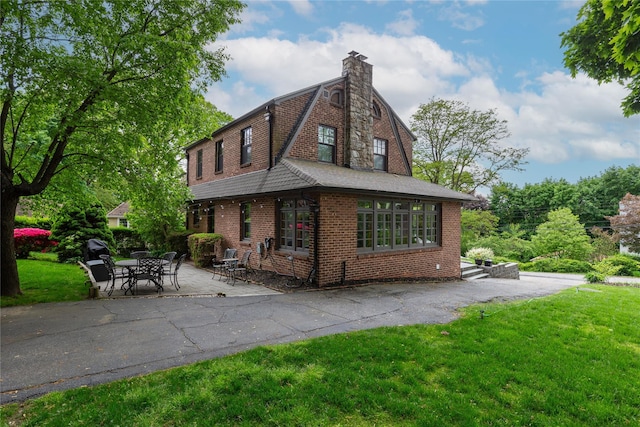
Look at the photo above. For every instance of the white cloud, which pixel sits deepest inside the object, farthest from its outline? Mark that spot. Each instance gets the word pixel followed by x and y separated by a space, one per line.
pixel 460 18
pixel 557 117
pixel 302 7
pixel 404 25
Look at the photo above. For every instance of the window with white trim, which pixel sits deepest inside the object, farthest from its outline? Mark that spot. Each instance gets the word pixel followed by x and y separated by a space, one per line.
pixel 326 144
pixel 380 154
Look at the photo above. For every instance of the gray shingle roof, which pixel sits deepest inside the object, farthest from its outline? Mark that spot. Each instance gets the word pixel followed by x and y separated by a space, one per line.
pixel 295 175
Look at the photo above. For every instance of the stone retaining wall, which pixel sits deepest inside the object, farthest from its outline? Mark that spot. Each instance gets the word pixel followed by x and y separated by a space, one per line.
pixel 503 271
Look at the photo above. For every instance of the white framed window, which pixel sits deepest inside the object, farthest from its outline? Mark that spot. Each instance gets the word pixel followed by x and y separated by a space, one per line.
pixel 380 158
pixel 326 144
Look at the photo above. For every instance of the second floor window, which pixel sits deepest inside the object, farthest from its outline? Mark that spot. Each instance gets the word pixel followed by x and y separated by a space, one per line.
pixel 379 154
pixel 199 164
pixel 245 155
pixel 326 144
pixel 245 221
pixel 219 156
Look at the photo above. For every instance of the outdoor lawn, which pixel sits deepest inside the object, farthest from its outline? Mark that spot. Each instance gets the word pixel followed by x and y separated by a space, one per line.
pixel 45 280
pixel 572 359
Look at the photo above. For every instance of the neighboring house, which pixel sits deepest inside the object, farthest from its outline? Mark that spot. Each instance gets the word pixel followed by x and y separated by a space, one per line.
pixel 324 175
pixel 623 248
pixel 117 218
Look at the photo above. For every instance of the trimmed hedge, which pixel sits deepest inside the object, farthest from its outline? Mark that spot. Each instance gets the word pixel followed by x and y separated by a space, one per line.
pixel 178 241
pixel 22 221
pixel 204 247
pixel 557 265
pixel 127 241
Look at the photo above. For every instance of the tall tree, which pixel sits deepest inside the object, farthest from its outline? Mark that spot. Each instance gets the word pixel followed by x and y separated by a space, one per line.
pixel 77 75
pixel 459 148
pixel 627 223
pixel 156 181
pixel 562 235
pixel 604 44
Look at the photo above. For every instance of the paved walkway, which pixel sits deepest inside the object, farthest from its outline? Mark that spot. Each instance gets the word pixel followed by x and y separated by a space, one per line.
pixel 58 346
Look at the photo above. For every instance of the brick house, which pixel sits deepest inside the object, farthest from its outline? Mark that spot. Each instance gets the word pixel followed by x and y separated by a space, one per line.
pixel 324 174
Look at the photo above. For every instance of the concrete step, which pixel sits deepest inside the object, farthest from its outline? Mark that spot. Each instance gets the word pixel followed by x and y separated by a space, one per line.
pixel 475 276
pixel 471 272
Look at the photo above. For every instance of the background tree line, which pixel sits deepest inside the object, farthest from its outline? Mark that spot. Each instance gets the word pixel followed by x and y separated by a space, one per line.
pixel 592 199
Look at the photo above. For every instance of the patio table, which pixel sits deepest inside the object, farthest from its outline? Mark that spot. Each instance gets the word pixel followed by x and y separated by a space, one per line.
pixel 131 265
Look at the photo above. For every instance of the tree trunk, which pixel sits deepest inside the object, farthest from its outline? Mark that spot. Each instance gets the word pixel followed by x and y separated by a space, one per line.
pixel 10 282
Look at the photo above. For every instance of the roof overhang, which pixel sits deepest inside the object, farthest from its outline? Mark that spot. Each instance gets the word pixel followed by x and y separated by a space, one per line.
pixel 292 175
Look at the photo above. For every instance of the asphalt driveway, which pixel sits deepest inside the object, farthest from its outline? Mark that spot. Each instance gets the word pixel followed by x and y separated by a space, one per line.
pixel 58 346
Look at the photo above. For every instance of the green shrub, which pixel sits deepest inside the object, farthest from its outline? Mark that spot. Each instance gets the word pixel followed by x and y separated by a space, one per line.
pixel 22 221
pixel 203 247
pixel 73 228
pixel 127 240
pixel 178 241
pixel 557 265
pixel 628 265
pixel 31 239
pixel 508 246
pixel 601 271
pixel 595 277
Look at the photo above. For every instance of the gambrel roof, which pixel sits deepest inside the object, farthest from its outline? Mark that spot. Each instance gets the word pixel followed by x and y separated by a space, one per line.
pixel 291 175
pixel 311 89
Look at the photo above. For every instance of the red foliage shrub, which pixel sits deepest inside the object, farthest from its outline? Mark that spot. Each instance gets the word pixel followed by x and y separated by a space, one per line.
pixel 31 239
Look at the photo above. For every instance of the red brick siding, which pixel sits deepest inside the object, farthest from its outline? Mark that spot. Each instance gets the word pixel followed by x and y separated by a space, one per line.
pixel 337 243
pixel 287 114
pixel 382 129
pixel 323 112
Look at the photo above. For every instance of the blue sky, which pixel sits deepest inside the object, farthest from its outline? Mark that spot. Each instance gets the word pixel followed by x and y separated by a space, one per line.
pixel 502 55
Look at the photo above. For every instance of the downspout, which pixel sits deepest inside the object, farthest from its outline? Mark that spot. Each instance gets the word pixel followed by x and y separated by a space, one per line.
pixel 313 204
pixel 269 117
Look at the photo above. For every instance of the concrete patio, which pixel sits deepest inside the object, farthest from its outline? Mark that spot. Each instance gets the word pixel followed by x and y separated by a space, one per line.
pixel 193 282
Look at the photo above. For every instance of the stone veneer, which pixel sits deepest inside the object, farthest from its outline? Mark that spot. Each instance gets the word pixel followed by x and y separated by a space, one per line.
pixel 359 119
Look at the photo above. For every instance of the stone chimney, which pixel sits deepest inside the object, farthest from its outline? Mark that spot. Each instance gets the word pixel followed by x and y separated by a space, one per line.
pixel 359 119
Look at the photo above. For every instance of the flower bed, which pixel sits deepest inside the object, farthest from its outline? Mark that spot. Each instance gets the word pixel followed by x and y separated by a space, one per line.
pixel 32 239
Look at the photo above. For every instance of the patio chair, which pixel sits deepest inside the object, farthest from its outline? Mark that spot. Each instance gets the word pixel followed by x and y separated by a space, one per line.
pixel 220 266
pixel 114 272
pixel 168 264
pixel 149 269
pixel 173 275
pixel 239 268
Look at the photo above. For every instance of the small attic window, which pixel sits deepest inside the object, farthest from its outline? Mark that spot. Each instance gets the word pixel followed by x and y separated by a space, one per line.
pixel 336 97
pixel 375 110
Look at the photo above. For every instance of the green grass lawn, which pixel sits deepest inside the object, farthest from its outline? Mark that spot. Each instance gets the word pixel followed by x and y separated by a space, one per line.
pixel 572 359
pixel 45 280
